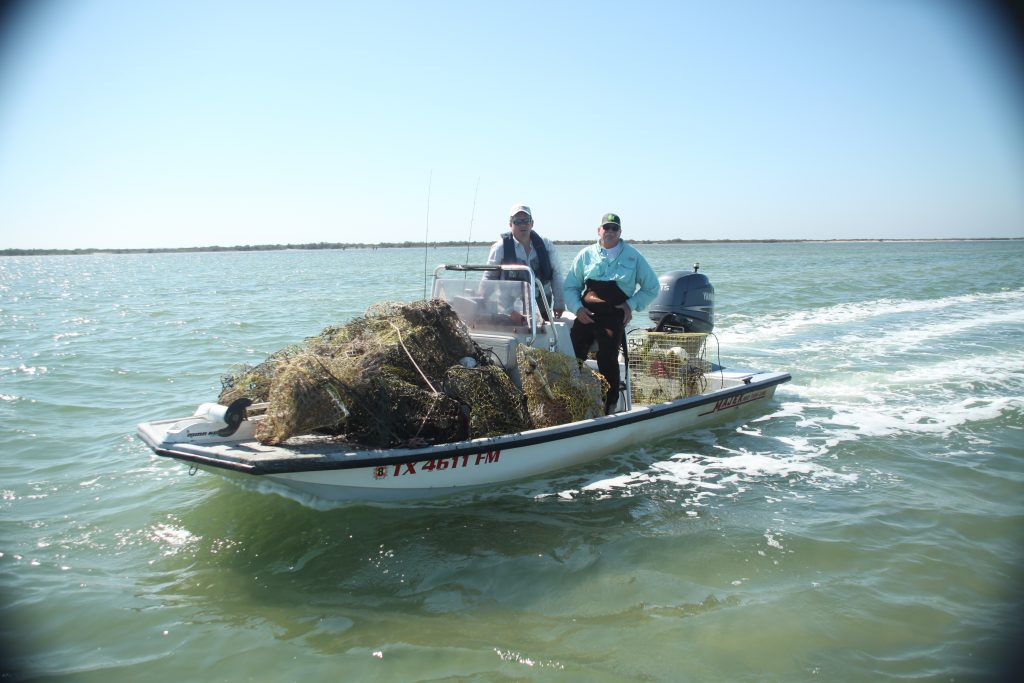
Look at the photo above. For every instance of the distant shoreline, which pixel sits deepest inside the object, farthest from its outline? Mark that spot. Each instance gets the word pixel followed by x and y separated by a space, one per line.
pixel 405 245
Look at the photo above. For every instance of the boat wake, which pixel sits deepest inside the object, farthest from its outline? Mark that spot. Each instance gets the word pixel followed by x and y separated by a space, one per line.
pixel 856 379
pixel 738 329
pixel 725 463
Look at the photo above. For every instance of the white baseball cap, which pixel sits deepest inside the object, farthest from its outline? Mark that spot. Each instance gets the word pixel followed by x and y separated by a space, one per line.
pixel 520 208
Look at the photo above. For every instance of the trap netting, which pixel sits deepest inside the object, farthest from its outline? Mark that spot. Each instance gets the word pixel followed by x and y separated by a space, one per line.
pixel 557 389
pixel 389 378
pixel 664 366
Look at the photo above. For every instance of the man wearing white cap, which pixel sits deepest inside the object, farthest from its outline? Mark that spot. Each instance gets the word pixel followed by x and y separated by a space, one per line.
pixel 524 246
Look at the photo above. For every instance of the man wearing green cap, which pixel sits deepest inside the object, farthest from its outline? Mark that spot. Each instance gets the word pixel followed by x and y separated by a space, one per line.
pixel 606 283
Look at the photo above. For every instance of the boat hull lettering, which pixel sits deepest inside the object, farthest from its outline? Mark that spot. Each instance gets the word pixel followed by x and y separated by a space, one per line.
pixel 437 464
pixel 734 401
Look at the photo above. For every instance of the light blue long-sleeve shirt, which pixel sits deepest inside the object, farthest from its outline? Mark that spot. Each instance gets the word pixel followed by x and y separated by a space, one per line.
pixel 630 271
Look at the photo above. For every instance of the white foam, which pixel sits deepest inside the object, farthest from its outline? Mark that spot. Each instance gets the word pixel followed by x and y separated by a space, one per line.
pixel 737 330
pixel 700 478
pixel 911 337
pixel 999 368
pixel 935 418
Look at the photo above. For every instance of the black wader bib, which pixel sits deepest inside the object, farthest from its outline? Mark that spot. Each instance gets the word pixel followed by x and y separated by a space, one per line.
pixel 602 298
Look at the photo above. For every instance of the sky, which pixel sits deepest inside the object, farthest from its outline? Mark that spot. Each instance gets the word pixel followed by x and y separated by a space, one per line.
pixel 181 123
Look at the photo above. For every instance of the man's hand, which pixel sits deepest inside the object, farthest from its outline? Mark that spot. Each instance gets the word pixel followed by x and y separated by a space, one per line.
pixel 558 312
pixel 584 316
pixel 628 315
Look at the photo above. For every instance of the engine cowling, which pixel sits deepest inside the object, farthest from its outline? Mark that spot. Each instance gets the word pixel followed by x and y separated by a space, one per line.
pixel 686 302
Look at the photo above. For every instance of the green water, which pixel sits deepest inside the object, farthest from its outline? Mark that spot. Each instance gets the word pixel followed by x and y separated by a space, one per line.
pixel 869 528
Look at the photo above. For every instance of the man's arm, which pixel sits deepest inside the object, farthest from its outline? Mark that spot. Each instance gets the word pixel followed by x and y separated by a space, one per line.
pixel 493 258
pixel 647 279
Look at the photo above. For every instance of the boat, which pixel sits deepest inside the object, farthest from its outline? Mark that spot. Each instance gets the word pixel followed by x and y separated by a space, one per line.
pixel 668 387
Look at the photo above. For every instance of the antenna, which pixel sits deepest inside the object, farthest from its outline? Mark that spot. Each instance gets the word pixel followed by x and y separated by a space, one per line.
pixel 472 215
pixel 426 233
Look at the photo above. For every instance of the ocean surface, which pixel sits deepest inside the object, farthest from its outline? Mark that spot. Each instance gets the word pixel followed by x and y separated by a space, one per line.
pixel 869 527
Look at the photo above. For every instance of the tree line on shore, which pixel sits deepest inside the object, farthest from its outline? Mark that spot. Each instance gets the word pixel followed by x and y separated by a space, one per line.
pixel 407 244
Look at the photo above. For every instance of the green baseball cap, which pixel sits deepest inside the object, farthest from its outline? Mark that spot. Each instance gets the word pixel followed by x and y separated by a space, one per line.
pixel 611 218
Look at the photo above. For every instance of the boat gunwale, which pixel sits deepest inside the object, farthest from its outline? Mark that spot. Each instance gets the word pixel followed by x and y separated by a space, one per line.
pixel 363 459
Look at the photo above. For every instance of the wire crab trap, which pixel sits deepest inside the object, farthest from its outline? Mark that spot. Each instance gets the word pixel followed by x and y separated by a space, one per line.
pixel 665 366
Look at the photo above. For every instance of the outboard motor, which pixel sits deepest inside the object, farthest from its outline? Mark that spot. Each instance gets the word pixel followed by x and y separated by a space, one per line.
pixel 686 302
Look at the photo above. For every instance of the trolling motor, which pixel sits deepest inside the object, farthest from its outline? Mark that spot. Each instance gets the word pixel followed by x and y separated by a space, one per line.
pixel 686 303
pixel 212 422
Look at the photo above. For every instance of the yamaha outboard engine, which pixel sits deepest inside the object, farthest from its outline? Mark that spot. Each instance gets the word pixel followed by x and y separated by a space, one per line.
pixel 686 302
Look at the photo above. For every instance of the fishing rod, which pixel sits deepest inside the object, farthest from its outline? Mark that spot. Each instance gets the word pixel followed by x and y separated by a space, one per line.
pixel 426 233
pixel 472 216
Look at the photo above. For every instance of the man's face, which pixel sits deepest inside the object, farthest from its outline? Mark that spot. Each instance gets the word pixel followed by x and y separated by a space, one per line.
pixel 609 234
pixel 521 224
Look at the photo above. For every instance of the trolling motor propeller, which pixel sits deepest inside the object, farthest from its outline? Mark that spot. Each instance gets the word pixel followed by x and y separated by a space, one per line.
pixel 233 416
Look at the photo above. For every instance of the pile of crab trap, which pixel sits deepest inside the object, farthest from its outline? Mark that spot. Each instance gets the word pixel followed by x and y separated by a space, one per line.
pixel 407 375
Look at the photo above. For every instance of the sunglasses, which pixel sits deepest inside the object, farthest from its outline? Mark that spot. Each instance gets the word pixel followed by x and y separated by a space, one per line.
pixel 612 228
pixel 521 221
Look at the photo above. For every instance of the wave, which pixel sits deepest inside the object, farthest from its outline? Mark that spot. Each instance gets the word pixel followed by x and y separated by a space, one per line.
pixel 745 329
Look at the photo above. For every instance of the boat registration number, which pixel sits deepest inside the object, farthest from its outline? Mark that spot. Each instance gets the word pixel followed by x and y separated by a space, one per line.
pixel 436 465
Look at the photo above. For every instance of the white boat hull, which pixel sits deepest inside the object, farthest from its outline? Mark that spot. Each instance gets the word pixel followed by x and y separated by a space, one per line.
pixel 322 467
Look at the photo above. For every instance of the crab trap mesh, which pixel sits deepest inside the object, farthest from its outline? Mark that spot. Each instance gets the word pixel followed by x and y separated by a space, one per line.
pixel 391 377
pixel 558 390
pixel 665 366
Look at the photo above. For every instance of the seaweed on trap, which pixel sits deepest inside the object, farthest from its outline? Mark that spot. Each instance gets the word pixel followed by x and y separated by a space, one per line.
pixel 389 378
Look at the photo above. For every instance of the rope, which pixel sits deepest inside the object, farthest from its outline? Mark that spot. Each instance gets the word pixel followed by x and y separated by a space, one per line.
pixel 412 360
pixel 331 390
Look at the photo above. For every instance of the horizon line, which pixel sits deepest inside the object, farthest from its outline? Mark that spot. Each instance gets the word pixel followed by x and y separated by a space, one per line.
pixel 454 243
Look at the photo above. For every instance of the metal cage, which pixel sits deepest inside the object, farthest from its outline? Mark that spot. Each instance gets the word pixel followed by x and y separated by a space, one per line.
pixel 665 366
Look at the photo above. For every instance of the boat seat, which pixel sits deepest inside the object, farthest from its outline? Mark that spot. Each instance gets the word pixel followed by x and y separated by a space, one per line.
pixel 464 307
pixel 503 351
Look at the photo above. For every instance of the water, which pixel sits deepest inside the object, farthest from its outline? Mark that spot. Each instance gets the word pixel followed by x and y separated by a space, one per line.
pixel 869 529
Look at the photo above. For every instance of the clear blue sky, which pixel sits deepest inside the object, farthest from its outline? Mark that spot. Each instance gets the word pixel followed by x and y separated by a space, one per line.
pixel 127 123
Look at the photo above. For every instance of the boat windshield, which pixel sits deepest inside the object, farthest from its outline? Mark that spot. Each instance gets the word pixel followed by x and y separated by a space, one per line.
pixel 502 306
